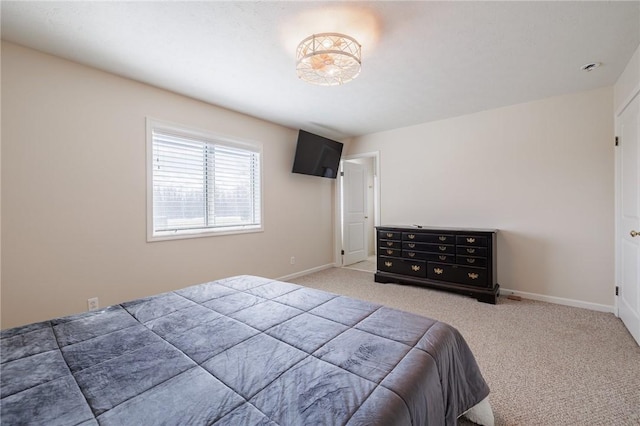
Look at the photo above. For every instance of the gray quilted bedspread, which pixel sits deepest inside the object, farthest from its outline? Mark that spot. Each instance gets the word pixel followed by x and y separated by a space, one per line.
pixel 239 351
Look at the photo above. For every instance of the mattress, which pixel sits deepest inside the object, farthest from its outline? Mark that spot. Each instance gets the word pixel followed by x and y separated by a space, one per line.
pixel 244 350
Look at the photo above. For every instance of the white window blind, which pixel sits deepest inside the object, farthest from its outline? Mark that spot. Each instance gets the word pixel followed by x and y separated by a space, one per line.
pixel 203 186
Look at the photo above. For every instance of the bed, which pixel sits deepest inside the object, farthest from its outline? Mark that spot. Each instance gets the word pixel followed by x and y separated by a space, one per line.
pixel 243 350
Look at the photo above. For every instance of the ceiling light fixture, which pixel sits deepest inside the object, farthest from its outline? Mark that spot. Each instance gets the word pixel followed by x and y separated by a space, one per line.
pixel 328 59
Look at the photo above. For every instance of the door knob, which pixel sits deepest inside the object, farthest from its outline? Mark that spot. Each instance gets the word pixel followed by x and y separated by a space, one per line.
pixel 634 233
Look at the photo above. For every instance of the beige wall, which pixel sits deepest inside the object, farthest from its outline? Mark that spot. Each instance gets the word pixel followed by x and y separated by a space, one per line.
pixel 74 193
pixel 540 172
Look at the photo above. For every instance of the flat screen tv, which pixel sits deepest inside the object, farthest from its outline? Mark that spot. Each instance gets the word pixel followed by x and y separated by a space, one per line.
pixel 317 155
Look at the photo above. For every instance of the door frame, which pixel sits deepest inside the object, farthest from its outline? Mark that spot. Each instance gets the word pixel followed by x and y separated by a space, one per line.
pixel 337 215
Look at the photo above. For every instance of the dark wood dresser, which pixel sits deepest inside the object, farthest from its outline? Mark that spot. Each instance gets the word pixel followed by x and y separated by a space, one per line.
pixel 452 259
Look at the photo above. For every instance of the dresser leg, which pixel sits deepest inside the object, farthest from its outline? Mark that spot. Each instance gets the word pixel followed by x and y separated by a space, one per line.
pixel 491 297
pixel 383 280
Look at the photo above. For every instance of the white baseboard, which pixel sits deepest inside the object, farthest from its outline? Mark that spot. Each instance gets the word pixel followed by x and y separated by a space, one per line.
pixel 306 272
pixel 503 292
pixel 558 300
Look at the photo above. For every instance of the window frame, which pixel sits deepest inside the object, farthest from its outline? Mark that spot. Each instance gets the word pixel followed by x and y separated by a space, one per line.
pixel 206 137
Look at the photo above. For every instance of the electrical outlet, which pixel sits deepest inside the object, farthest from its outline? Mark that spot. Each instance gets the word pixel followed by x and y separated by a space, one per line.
pixel 93 304
pixel 293 260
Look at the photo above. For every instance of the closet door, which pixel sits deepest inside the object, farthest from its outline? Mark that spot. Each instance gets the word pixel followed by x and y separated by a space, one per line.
pixel 628 216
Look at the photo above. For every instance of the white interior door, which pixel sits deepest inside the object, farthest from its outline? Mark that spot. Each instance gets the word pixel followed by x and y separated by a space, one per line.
pixel 354 212
pixel 628 239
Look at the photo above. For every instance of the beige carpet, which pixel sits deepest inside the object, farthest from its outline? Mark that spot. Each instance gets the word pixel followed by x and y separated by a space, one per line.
pixel 546 364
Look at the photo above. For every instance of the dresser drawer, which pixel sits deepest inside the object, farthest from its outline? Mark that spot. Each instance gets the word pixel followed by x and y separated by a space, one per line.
pixel 431 257
pixel 408 245
pixel 440 238
pixel 457 273
pixel 471 240
pixel 445 258
pixel 441 272
pixel 416 268
pixel 471 251
pixel 382 244
pixel 389 235
pixel 478 262
pixel 383 251
pixel 420 237
pixel 414 237
pixel 413 254
pixel 472 276
pixel 440 248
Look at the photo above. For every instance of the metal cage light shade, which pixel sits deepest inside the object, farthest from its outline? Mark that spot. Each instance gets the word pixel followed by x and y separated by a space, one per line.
pixel 328 59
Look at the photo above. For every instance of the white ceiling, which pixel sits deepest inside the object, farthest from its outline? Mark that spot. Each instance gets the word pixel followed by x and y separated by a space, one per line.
pixel 421 61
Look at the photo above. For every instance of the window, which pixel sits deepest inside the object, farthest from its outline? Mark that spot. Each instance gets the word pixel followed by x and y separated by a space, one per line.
pixel 201 184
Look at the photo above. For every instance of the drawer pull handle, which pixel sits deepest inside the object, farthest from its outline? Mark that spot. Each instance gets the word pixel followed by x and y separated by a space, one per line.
pixel 442 257
pixel 411 254
pixel 388 264
pixel 442 238
pixel 389 243
pixel 415 267
pixel 411 236
pixel 471 240
pixel 389 251
pixel 411 245
pixel 442 248
pixel 389 235
pixel 469 260
pixel 471 250
pixel 473 276
pixel 438 270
